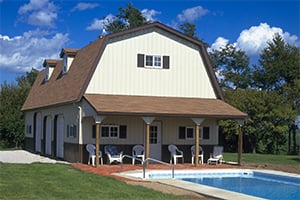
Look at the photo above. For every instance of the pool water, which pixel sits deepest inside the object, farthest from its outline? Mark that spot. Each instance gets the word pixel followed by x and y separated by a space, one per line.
pixel 250 182
pixel 257 184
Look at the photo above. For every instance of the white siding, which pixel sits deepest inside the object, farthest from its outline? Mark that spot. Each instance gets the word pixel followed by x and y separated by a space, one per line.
pixel 117 71
pixel 136 131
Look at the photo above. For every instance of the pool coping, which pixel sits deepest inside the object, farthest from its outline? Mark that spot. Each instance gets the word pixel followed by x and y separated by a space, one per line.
pixel 202 189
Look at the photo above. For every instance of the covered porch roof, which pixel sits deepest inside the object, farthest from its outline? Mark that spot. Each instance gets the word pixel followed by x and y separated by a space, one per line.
pixel 162 106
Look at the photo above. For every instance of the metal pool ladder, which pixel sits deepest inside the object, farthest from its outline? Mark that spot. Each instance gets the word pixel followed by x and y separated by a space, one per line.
pixel 144 164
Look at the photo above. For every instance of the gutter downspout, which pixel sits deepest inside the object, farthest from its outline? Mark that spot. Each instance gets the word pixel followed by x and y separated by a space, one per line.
pixel 80 136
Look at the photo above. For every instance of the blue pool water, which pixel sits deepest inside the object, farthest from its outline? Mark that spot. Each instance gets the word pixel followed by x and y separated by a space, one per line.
pixel 254 183
pixel 257 184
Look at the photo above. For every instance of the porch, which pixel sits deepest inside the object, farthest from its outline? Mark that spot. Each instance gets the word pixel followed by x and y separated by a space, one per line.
pixel 154 122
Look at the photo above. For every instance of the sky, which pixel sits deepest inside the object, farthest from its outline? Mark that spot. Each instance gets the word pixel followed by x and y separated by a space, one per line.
pixel 34 30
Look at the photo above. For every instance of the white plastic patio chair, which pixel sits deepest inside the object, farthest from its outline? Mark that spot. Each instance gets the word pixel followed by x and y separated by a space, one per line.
pixel 217 155
pixel 200 155
pixel 138 152
pixel 113 154
pixel 92 154
pixel 175 154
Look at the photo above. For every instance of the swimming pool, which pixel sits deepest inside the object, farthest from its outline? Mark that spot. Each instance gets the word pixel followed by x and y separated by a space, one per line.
pixel 254 183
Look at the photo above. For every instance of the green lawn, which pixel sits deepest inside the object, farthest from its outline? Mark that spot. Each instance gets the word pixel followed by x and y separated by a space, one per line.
pixel 59 181
pixel 264 158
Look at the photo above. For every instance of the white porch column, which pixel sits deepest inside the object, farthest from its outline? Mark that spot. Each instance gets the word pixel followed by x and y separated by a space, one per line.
pixel 148 121
pixel 240 141
pixel 98 121
pixel 198 122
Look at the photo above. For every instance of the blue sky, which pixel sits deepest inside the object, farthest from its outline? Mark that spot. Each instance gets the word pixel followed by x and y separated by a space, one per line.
pixel 34 30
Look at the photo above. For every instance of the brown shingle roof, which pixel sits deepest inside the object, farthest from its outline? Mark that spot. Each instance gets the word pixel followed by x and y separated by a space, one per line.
pixel 162 106
pixel 66 88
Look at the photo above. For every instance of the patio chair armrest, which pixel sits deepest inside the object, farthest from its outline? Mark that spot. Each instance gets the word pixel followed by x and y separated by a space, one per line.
pixel 180 152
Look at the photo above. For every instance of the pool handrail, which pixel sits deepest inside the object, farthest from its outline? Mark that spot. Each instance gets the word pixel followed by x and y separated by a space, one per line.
pixel 158 161
pixel 144 164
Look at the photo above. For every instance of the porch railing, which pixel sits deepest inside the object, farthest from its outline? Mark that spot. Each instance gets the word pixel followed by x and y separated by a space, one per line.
pixel 144 164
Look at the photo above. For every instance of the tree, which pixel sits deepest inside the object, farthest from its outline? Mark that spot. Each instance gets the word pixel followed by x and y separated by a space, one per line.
pixel 12 98
pixel 279 71
pixel 266 127
pixel 268 93
pixel 188 29
pixel 128 18
pixel 232 66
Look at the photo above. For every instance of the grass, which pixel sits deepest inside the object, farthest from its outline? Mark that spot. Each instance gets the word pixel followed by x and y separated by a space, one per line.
pixel 59 181
pixel 264 158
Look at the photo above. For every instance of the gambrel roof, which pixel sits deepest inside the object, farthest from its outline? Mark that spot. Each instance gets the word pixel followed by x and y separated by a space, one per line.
pixel 70 88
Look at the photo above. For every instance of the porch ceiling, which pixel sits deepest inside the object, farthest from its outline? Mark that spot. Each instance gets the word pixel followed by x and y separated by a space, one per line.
pixel 162 106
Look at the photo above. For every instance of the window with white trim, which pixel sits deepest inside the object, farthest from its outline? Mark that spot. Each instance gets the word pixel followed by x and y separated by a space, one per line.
pixel 28 129
pixel 188 132
pixel 153 61
pixel 65 64
pixel 71 131
pixel 111 131
pixel 47 73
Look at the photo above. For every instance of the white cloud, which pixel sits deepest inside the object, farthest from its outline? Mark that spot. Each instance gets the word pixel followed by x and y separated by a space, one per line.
pixel 254 39
pixel 22 53
pixel 219 43
pixel 99 24
pixel 84 6
pixel 150 14
pixel 39 13
pixel 192 14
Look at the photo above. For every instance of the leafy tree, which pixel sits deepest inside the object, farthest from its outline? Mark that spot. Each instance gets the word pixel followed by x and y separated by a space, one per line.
pixel 128 18
pixel 12 98
pixel 268 93
pixel 279 71
pixel 232 66
pixel 188 29
pixel 266 127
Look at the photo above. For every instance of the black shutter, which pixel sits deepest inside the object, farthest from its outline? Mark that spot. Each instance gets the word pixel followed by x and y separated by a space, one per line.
pixel 166 62
pixel 123 132
pixel 94 131
pixel 181 132
pixel 140 60
pixel 206 132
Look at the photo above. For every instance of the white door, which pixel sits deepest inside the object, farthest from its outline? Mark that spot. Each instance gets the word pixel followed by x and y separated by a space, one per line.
pixel 60 137
pixel 48 136
pixel 155 140
pixel 38 132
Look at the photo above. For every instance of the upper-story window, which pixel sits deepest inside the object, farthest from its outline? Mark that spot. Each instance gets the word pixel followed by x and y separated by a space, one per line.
pixel 153 61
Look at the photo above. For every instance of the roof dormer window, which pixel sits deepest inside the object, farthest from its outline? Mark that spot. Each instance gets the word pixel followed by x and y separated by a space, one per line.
pixel 65 64
pixel 68 56
pixel 49 65
pixel 47 73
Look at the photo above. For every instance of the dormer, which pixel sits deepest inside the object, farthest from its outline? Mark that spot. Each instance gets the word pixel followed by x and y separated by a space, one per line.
pixel 49 65
pixel 67 54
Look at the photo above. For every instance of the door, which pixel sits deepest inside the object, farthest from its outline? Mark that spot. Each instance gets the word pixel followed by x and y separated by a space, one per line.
pixel 48 136
pixel 155 140
pixel 60 137
pixel 38 131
